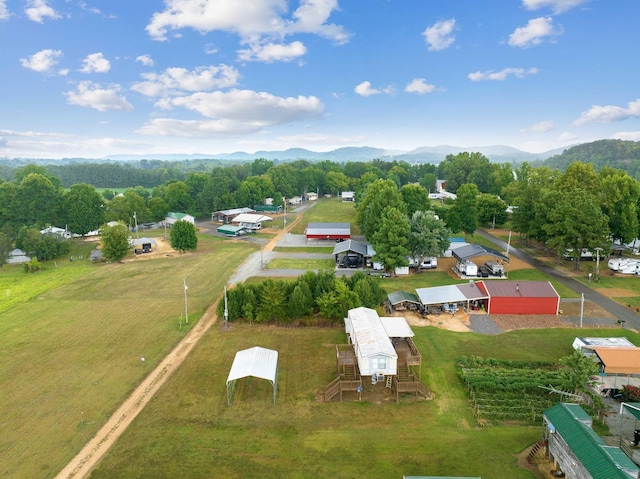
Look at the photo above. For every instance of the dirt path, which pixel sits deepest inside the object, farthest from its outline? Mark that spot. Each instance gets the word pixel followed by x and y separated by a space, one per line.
pixel 94 450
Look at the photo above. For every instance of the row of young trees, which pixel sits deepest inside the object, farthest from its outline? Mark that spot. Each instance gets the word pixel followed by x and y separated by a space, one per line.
pixel 311 294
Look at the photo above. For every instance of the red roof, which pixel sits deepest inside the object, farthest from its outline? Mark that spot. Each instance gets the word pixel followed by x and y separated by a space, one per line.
pixel 520 289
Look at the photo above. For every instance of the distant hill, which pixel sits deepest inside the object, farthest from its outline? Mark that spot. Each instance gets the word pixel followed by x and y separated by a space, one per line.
pixel 623 155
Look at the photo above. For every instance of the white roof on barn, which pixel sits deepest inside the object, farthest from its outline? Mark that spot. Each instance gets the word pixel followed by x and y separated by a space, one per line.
pixel 257 362
pixel 397 327
pixel 368 334
pixel 251 218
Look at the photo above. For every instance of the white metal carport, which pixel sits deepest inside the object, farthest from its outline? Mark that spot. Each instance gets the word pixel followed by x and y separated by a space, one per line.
pixel 257 362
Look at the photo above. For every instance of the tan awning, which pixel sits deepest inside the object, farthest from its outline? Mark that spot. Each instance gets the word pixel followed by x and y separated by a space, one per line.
pixel 619 360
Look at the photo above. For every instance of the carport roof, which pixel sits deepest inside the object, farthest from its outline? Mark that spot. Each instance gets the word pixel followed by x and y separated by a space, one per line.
pixel 397 327
pixel 350 245
pixel 328 229
pixel 472 250
pixel 453 293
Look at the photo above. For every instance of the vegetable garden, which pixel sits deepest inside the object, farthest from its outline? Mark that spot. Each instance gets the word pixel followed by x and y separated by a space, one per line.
pixel 512 391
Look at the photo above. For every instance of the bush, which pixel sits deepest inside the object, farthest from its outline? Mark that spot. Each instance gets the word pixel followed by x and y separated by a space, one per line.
pixel 32 266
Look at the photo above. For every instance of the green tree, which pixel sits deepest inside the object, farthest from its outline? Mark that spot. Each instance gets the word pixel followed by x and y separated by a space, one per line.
pixel 491 210
pixel 176 195
pixel 336 303
pixel 272 302
pixel 38 201
pixel 574 221
pixel 463 215
pixel 336 181
pixel 39 246
pixel 5 249
pixel 301 301
pixel 577 369
pixel 391 239
pixel 183 236
pixel 158 209
pixel 416 198
pixel 619 194
pixel 466 167
pixel 377 196
pixel 429 236
pixel 83 208
pixel 115 241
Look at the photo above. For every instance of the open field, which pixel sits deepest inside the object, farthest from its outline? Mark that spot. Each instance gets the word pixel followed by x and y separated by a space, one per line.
pixel 72 352
pixel 291 263
pixel 188 431
pixel 328 210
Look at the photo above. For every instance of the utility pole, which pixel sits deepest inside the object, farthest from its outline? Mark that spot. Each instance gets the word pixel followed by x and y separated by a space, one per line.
pixel 225 322
pixel 186 310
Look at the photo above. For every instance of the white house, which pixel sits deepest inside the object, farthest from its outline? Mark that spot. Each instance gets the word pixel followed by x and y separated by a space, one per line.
pixel 295 200
pixel 17 256
pixel 171 218
pixel 313 196
pixel 374 350
pixel 251 221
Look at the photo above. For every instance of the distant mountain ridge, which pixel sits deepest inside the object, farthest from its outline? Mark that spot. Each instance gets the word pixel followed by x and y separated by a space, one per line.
pixel 423 154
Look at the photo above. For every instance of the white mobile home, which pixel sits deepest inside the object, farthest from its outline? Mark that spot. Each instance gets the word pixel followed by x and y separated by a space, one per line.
pixel 374 350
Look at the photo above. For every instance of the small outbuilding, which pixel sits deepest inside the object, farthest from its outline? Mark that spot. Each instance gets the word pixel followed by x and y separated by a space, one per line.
pixel 251 221
pixel 328 231
pixel 348 196
pixel 226 216
pixel 171 218
pixel 231 230
pixel 17 256
pixel 402 300
pixel 521 297
pixel 258 362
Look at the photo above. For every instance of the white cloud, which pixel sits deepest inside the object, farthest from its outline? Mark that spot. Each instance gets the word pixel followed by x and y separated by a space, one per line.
pixel 608 114
pixel 557 6
pixel 248 107
pixel 627 135
pixel 43 61
pixel 533 33
pixel 502 74
pixel 255 22
pixel 365 89
pixel 210 49
pixel 38 10
pixel 273 52
pixel 440 35
pixel 567 137
pixel 91 95
pixel 176 80
pixel 420 86
pixel 4 11
pixel 146 60
pixel 541 127
pixel 95 63
pixel 198 128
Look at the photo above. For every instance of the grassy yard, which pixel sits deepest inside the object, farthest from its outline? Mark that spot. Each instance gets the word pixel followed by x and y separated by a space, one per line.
pixel 188 431
pixel 291 263
pixel 328 210
pixel 304 249
pixel 71 346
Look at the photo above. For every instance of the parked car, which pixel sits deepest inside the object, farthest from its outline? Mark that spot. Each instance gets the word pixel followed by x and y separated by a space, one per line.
pixel 450 308
pixel 483 271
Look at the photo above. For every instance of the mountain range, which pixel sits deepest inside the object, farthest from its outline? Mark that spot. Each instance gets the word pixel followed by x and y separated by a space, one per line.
pixel 424 154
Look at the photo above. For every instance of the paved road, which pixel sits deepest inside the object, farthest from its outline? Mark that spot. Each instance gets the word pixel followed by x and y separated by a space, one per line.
pixel 630 318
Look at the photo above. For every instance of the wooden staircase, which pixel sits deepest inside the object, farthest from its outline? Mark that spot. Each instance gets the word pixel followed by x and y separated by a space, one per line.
pixel 534 451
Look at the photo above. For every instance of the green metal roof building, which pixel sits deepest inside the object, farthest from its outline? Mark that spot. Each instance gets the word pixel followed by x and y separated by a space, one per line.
pixel 578 451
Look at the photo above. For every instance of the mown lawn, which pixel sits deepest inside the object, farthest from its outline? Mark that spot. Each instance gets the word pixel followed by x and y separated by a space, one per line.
pixel 188 431
pixel 328 210
pixel 71 348
pixel 292 263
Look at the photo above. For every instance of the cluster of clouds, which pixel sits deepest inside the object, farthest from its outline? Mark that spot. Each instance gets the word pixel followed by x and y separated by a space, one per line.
pixel 265 30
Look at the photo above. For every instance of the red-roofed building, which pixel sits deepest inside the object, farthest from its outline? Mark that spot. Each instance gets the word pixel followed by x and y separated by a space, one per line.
pixel 522 297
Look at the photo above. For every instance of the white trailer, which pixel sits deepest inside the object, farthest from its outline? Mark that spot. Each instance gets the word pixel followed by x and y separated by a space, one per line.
pixel 496 269
pixel 468 268
pixel 615 264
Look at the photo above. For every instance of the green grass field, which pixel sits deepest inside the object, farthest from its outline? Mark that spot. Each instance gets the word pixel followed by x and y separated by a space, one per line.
pixel 290 263
pixel 328 210
pixel 71 347
pixel 188 431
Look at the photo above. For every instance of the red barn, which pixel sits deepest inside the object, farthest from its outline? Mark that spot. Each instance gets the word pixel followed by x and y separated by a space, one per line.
pixel 522 297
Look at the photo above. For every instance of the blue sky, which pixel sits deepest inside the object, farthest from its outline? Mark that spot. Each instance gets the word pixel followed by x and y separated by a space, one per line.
pixel 91 78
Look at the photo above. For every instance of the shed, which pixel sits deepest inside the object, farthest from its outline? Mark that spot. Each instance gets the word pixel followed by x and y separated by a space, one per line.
pixel 576 448
pixel 400 300
pixel 472 293
pixel 348 196
pixel 171 218
pixel 521 297
pixel 619 360
pixel 17 256
pixel 225 216
pixel 374 350
pixel 251 221
pixel 329 231
pixel 257 362
pixel 231 230
pixel 145 244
